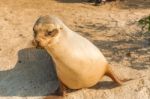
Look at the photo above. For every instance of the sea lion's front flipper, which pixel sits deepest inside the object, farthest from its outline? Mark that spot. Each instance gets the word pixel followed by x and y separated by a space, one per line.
pixel 61 91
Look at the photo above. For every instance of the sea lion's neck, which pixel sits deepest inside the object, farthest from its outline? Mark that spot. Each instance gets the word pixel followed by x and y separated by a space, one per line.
pixel 60 45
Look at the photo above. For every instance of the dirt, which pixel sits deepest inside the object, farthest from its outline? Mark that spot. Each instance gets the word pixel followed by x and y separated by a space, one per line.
pixel 28 73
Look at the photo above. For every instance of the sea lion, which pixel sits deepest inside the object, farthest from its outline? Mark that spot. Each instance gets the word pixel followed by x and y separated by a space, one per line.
pixel 78 62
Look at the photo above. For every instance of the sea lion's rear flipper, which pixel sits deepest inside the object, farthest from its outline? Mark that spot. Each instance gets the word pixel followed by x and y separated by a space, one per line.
pixel 111 74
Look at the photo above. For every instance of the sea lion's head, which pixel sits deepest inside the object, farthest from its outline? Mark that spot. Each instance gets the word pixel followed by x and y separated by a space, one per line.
pixel 46 31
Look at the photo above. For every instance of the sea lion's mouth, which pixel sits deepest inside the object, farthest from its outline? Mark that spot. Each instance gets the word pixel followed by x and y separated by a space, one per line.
pixel 36 44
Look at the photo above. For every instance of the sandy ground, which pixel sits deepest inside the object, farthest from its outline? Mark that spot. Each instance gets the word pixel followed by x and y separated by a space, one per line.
pixel 28 73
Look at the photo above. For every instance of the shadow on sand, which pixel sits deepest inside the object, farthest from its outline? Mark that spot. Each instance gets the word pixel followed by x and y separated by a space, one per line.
pixel 135 51
pixel 137 4
pixel 72 1
pixel 124 3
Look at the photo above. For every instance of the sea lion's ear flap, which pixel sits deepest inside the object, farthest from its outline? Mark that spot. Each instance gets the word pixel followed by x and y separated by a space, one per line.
pixel 59 27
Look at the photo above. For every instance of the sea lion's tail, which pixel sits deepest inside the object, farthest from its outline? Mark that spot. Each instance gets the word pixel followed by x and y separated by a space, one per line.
pixel 111 74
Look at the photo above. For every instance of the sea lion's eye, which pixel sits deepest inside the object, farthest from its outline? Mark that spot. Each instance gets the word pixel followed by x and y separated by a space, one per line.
pixel 52 33
pixel 48 33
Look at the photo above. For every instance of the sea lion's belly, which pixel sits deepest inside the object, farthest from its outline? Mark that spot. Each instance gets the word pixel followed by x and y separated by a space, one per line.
pixel 79 63
pixel 80 73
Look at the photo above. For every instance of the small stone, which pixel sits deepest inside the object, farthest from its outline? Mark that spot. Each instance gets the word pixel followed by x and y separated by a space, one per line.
pixel 20 35
pixel 6 19
pixel 128 54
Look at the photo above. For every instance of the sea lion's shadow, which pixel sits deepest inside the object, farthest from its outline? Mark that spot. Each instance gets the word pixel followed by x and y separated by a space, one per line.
pixel 104 85
pixel 33 75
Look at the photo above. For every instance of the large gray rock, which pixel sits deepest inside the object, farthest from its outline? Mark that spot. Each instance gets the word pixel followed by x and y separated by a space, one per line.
pixel 33 75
